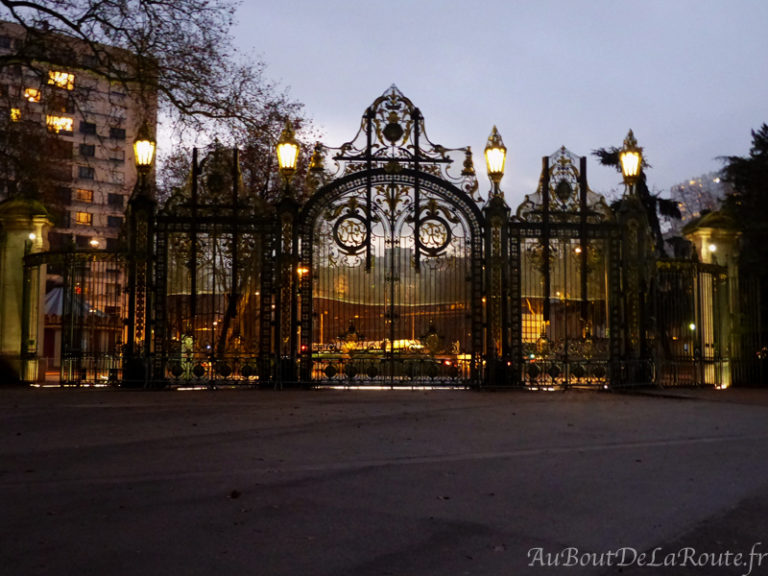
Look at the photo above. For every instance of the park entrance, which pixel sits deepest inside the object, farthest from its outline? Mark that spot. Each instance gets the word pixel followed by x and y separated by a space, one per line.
pixel 390 273
pixel 385 268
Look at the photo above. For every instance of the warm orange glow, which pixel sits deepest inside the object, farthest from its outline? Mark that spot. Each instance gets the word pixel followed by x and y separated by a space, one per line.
pixel 59 123
pixel 83 218
pixel 495 156
pixel 144 151
pixel 61 79
pixel 32 95
pixel 630 163
pixel 15 115
pixel 287 151
pixel 631 158
pixel 144 148
pixel 83 195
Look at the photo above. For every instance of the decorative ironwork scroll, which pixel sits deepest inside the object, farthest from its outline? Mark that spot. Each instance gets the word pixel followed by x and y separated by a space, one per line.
pixel 393 250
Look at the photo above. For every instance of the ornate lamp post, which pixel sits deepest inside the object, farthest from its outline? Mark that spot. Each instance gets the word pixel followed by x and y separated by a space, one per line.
pixel 495 156
pixel 495 301
pixel 631 157
pixel 287 149
pixel 141 208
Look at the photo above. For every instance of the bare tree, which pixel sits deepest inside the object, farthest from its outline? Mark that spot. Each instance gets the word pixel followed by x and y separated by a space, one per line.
pixel 176 56
pixel 181 50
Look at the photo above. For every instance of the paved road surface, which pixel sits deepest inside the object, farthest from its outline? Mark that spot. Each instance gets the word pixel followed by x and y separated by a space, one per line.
pixel 405 483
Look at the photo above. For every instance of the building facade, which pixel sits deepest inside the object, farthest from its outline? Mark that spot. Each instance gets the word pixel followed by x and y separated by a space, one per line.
pixel 85 125
pixel 66 134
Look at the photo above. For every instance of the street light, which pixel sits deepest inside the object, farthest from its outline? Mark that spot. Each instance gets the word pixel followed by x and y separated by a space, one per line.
pixel 143 153
pixel 495 155
pixel 140 216
pixel 287 149
pixel 144 148
pixel 287 153
pixel 631 157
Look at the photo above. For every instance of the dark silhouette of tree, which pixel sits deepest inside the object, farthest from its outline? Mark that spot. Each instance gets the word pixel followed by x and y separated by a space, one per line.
pixel 178 51
pixel 176 57
pixel 747 204
pixel 654 205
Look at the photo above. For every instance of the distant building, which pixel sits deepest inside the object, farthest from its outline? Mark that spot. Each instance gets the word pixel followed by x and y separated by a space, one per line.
pixel 695 197
pixel 87 126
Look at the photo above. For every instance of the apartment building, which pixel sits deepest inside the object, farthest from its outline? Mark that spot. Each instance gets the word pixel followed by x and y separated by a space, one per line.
pixel 72 131
pixel 66 139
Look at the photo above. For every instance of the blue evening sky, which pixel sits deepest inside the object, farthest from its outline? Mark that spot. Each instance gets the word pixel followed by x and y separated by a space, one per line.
pixel 689 77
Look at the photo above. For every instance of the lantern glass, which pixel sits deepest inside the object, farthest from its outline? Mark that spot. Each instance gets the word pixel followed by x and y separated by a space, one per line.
pixel 495 156
pixel 144 151
pixel 287 150
pixel 144 148
pixel 631 157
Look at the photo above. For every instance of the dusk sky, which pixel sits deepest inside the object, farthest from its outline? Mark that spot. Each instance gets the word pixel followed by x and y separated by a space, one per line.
pixel 689 77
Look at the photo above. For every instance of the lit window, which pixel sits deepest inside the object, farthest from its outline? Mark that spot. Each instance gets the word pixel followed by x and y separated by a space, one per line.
pixel 61 79
pixel 59 123
pixel 32 95
pixel 15 114
pixel 83 218
pixel 83 195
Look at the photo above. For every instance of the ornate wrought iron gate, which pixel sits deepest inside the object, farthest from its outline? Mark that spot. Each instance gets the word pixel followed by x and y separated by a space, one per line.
pixel 394 272
pixel 390 261
pixel 565 245
pixel 694 339
pixel 214 294
pixel 81 334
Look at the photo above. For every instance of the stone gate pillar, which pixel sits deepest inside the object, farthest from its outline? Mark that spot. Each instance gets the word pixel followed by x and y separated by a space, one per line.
pixel 23 230
pixel 716 239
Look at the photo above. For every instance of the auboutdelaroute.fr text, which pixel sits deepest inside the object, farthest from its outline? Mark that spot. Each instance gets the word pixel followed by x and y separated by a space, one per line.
pixel 746 560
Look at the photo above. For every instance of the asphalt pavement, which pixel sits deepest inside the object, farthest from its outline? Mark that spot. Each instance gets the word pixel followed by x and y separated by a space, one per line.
pixel 405 483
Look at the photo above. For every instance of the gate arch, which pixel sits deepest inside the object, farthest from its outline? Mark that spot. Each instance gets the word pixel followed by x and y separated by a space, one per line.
pixel 389 262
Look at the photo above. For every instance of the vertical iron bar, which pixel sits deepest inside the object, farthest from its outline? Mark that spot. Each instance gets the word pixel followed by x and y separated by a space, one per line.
pixel 416 116
pixel 193 248
pixel 392 255
pixel 583 237
pixel 545 233
pixel 368 184
pixel 235 232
